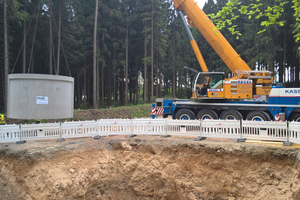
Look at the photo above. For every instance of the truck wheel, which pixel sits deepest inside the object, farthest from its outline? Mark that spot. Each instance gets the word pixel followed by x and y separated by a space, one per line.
pixel 295 117
pixel 185 114
pixel 231 115
pixel 207 114
pixel 267 115
pixel 258 116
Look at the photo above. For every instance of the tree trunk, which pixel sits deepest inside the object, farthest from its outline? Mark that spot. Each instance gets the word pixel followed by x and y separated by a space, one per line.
pixel 79 96
pixel 95 59
pixel 90 89
pixel 114 94
pixel 50 37
pixel 24 46
pixel 126 65
pixel 130 94
pixel 174 68
pixel 284 55
pixel 102 80
pixel 149 88
pixel 58 43
pixel 98 84
pixel 157 80
pixel 145 69
pixel 108 79
pixel 152 24
pixel 137 88
pixel 118 88
pixel 6 64
pixel 84 85
pixel 121 93
pixel 280 68
pixel 297 73
pixel 159 76
pixel 31 53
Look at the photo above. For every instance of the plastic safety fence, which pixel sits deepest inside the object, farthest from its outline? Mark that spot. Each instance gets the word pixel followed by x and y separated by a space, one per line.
pixel 265 130
pixel 294 132
pixel 9 133
pixel 149 126
pixel 79 129
pixel 257 130
pixel 114 127
pixel 40 131
pixel 183 127
pixel 220 128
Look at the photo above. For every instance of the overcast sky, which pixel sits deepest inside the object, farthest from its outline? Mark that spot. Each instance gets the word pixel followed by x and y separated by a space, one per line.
pixel 200 3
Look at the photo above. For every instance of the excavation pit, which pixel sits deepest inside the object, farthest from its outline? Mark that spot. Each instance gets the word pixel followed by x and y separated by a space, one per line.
pixel 148 167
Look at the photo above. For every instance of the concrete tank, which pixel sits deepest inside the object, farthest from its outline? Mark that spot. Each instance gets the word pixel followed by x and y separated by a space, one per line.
pixel 40 96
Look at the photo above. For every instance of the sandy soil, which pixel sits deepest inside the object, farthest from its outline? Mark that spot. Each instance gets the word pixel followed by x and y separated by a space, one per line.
pixel 149 167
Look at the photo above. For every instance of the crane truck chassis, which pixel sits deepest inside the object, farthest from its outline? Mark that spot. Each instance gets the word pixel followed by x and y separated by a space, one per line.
pixel 282 104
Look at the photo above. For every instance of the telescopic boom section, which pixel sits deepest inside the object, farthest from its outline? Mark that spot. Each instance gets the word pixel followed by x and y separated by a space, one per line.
pixel 194 45
pixel 213 37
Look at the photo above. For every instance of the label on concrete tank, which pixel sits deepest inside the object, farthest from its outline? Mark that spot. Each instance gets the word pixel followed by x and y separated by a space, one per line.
pixel 41 100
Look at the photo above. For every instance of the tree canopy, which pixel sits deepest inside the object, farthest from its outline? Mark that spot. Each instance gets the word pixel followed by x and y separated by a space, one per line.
pixel 141 46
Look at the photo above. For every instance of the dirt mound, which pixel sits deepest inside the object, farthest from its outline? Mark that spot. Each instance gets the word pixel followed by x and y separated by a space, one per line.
pixel 120 112
pixel 148 167
pixel 128 112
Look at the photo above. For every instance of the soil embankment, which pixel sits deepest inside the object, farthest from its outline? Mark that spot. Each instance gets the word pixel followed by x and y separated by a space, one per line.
pixel 148 167
pixel 127 112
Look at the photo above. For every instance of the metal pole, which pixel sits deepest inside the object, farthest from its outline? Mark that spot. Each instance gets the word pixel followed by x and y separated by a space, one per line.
pixel 287 143
pixel 153 115
pixel 199 138
pixel 241 139
pixel 20 129
pixel 131 127
pixel 21 141
pixel 60 134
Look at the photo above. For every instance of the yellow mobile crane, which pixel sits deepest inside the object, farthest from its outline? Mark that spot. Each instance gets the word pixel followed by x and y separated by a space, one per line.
pixel 248 95
pixel 246 84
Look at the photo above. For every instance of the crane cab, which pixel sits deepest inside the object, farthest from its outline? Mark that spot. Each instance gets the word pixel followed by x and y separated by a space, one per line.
pixel 209 85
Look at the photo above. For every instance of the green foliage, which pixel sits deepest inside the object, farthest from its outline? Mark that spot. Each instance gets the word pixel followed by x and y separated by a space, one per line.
pixel 18 14
pixel 270 15
pixel 296 25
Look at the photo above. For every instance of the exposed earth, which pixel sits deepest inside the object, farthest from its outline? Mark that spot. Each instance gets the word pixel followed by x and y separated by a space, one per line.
pixel 149 167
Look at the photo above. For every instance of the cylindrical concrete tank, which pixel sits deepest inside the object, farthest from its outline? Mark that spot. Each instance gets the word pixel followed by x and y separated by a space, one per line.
pixel 40 96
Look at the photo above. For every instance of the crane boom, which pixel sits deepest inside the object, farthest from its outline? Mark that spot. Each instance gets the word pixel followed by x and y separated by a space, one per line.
pixel 194 45
pixel 214 38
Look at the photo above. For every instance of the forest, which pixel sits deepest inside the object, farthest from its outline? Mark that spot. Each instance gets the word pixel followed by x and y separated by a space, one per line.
pixel 124 52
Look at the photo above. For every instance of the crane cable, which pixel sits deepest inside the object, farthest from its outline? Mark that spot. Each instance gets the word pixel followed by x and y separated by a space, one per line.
pixel 62 47
pixel 23 40
pixel 34 37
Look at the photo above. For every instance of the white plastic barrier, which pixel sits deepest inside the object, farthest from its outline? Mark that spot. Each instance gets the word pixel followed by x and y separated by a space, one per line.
pixel 9 133
pixel 259 130
pixel 40 131
pixel 149 126
pixel 114 127
pixel 265 130
pixel 183 127
pixel 294 132
pixel 79 129
pixel 220 128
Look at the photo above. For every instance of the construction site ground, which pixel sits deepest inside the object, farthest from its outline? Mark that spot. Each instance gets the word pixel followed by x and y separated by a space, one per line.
pixel 149 167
